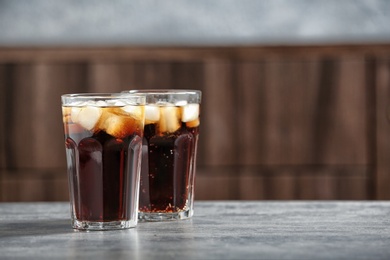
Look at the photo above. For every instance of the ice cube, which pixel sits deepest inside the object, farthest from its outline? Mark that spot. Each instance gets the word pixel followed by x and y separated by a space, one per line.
pixel 152 113
pixel 87 116
pixel 66 112
pixel 181 103
pixel 74 114
pixel 66 119
pixel 118 126
pixel 90 103
pixel 101 103
pixel 77 104
pixel 136 112
pixel 190 112
pixel 119 103
pixel 169 119
pixel 193 123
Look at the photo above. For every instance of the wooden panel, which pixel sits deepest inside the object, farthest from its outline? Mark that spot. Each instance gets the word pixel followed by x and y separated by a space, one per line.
pixel 175 53
pixel 31 185
pixel 277 122
pixel 118 76
pixel 111 76
pixel 348 125
pixel 323 122
pixel 283 183
pixel 52 80
pixel 251 113
pixel 382 115
pixel 288 121
pixel 219 115
pixel 5 76
pixel 34 121
pixel 153 75
pixel 19 111
pixel 188 75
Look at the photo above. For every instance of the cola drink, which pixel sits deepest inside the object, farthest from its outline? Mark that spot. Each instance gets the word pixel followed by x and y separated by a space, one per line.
pixel 172 120
pixel 103 140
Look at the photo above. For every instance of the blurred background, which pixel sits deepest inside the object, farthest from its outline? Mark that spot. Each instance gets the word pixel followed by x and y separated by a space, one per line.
pixel 295 93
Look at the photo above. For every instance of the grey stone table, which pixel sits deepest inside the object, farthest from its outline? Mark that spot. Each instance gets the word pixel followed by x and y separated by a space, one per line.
pixel 218 230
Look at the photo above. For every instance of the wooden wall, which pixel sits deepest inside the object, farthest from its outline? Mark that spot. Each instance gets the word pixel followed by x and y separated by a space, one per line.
pixel 282 122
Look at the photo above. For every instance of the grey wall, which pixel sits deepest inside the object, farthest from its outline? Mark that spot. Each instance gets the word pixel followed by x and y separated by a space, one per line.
pixel 200 22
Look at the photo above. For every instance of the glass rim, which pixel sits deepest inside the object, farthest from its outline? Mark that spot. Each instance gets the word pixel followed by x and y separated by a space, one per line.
pixel 164 91
pixel 172 96
pixel 84 97
pixel 99 95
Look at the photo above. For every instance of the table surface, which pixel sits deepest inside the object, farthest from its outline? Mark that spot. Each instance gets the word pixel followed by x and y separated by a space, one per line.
pixel 218 230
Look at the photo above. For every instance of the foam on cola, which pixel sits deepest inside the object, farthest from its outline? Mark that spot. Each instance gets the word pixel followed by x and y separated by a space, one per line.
pixel 168 164
pixel 103 142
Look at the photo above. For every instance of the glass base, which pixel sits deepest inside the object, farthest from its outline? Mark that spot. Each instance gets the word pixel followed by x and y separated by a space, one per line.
pixel 96 226
pixel 146 216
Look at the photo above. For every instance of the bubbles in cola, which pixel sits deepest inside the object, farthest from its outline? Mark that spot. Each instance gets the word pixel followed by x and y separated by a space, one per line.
pixel 170 137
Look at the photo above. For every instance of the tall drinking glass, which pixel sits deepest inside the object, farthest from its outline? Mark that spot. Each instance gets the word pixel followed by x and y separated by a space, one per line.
pixel 103 141
pixel 169 153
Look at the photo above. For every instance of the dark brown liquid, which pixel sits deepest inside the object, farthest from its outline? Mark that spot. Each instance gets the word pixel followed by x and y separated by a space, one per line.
pixel 168 163
pixel 101 175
